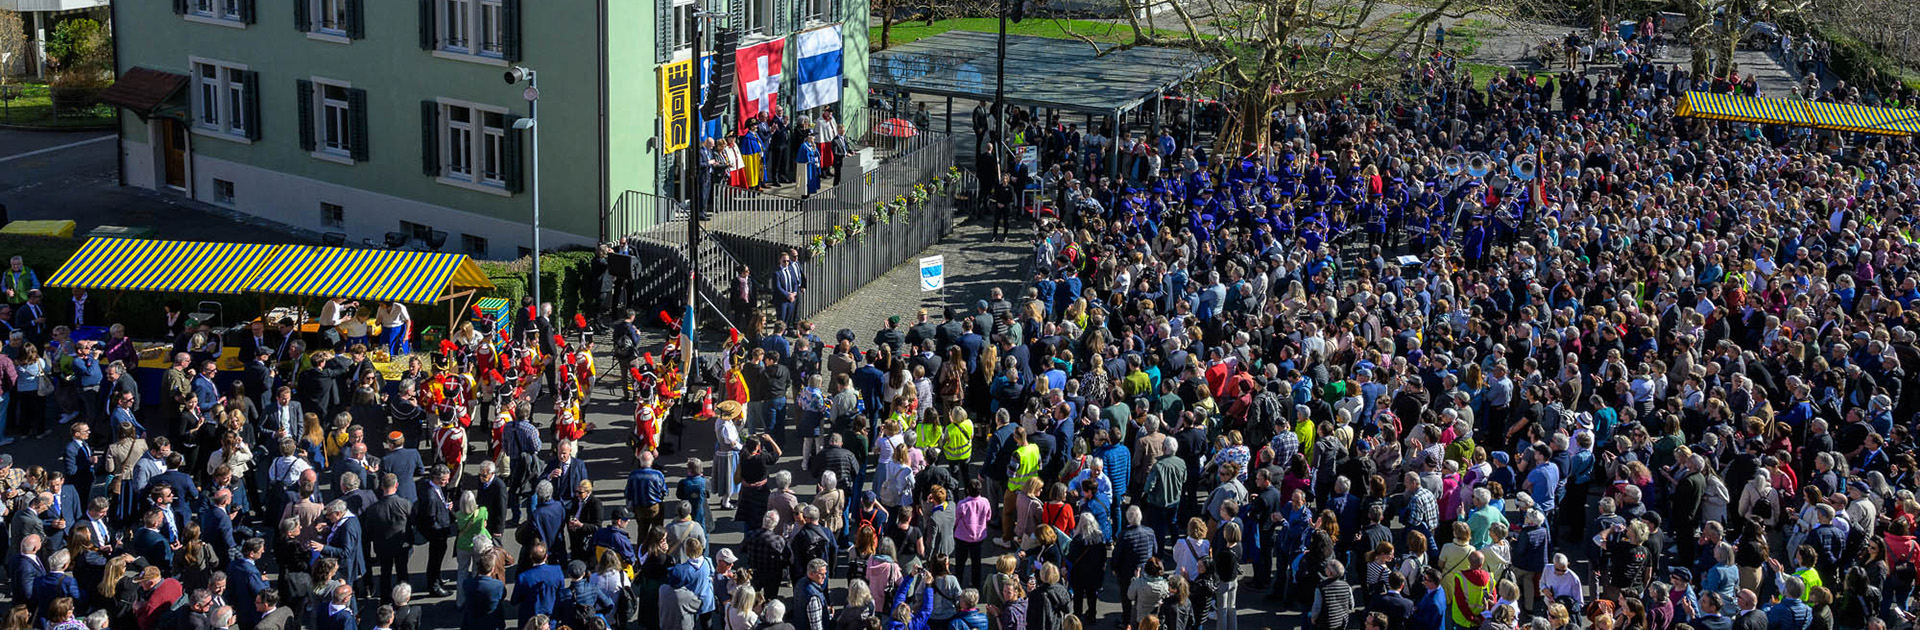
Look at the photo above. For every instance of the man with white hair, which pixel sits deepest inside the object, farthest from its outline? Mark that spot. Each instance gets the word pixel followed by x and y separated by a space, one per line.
pixel 342 541
pixel 1161 491
pixel 1482 516
pixel 766 552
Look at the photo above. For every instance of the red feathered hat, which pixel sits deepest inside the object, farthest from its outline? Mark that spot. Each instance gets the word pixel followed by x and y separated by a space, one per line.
pixel 476 311
pixel 669 320
pixel 496 376
pixel 448 347
pixel 579 320
pixel 559 341
pixel 733 335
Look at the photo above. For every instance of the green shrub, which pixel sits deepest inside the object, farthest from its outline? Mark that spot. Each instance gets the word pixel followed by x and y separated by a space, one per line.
pixel 564 280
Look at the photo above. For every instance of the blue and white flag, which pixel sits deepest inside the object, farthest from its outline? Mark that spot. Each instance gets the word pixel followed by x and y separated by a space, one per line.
pixel 818 58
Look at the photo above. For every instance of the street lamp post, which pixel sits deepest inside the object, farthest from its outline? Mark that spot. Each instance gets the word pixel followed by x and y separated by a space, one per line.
pixel 532 125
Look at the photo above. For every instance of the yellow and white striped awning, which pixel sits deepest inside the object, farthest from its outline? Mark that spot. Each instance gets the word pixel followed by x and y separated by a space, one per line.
pixel 366 274
pixel 1801 113
pixel 132 264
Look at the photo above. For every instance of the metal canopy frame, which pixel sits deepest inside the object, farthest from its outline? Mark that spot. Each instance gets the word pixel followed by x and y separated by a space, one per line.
pixel 1057 74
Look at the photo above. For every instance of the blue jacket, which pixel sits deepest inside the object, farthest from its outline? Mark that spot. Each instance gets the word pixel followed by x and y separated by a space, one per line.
pixel 615 539
pixel 1431 611
pixel 52 586
pixel 1531 547
pixel 243 582
pixel 693 490
pixel 343 543
pixel 646 487
pixel 485 604
pixel 216 527
pixel 404 463
pixel 969 620
pixel 76 462
pixel 694 575
pixel 537 590
pixel 1789 614
pixel 153 546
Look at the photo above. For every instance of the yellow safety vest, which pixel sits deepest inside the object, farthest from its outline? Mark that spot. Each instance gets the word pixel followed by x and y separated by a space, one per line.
pixel 958 441
pixel 1029 458
pixel 926 435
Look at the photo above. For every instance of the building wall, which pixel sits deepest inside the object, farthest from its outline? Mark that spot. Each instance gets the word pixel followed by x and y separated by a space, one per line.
pixel 857 17
pixel 283 182
pixel 633 98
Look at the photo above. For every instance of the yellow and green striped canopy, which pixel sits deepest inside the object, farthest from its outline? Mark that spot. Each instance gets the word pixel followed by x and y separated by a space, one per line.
pixel 132 264
pixel 1801 113
pixel 366 274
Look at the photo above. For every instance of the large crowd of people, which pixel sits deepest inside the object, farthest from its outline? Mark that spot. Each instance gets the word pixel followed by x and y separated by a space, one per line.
pixel 1377 373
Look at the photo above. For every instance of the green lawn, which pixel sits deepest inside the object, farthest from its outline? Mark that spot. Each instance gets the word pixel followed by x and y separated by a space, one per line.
pixel 907 32
pixel 33 107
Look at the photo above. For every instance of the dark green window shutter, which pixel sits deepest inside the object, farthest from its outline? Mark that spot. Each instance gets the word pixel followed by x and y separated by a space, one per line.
pixel 737 15
pixel 835 10
pixel 510 156
pixel 782 18
pixel 430 138
pixel 663 30
pixel 250 97
pixel 303 15
pixel 429 26
pixel 179 7
pixel 306 114
pixel 356 19
pixel 357 117
pixel 246 11
pixel 510 29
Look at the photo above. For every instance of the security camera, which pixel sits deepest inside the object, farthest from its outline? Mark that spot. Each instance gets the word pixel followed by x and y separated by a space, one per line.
pixel 517 74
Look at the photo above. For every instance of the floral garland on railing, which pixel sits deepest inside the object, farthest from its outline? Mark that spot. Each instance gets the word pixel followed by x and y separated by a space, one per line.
pixel 856 227
pixel 817 247
pixel 902 209
pixel 882 213
pixel 836 237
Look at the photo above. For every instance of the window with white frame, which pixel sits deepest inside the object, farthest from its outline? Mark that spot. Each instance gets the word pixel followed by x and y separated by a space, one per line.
pixel 815 10
pixel 472 27
pixel 220 98
pixel 759 16
pixel 473 144
pixel 330 17
pixel 336 118
pixel 682 25
pixel 217 9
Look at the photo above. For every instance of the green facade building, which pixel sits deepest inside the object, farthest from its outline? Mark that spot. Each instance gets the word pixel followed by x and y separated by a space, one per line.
pixel 365 117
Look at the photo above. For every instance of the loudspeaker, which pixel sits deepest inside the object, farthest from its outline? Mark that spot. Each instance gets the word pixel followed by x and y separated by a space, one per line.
pixel 621 266
pixel 720 83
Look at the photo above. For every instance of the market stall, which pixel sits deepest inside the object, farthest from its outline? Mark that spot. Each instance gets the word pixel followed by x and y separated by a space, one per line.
pixel 372 275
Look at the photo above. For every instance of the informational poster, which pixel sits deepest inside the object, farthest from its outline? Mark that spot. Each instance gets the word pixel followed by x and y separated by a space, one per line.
pixel 676 105
pixel 933 273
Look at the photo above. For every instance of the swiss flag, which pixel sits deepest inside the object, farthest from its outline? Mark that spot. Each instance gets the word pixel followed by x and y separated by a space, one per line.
pixel 758 73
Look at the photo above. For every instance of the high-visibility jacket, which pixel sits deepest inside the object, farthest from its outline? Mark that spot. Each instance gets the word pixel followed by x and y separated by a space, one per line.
pixel 1468 596
pixel 957 442
pixel 926 435
pixel 1027 466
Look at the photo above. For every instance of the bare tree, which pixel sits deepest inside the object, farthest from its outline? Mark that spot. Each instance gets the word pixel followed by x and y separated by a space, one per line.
pixel 1715 28
pixel 13 42
pixel 1280 51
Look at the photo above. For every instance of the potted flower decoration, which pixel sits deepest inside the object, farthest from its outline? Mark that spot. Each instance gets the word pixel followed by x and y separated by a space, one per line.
pixel 856 227
pixel 816 247
pixel 837 236
pixel 882 214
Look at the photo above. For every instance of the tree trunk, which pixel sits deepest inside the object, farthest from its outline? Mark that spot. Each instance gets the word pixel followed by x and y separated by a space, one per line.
pixel 886 24
pixel 1728 45
pixel 1248 122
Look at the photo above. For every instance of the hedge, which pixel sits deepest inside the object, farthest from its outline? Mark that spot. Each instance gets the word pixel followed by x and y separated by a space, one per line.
pixel 564 279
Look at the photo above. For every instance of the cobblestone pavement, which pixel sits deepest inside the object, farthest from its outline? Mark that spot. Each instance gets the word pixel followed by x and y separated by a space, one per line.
pixel 974 263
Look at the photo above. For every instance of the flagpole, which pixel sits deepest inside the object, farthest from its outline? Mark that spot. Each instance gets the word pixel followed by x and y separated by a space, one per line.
pixel 695 203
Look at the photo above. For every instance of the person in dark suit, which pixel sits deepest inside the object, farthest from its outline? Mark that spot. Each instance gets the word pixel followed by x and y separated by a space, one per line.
pixel 1711 604
pixel 24 568
pixel 788 282
pixel 388 531
pixel 258 375
pixel 1752 616
pixel 549 520
pixel 537 588
pixel 118 379
pixel 216 524
pixel 433 515
pixel 1396 605
pixel 54 584
pixel 406 615
pixel 79 462
pixel 485 596
pixel 257 341
pixel 492 492
pixel 338 614
pixel 403 462
pixel 741 294
pixel 244 582
pixel 342 542
pixel 320 385
pixel 565 471
pixel 272 616
pixel 282 417
pixel 77 311
pixel 150 543
pixel 583 519
pixel 354 480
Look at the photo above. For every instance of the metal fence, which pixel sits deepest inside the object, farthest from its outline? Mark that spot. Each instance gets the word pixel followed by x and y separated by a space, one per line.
pixel 904 163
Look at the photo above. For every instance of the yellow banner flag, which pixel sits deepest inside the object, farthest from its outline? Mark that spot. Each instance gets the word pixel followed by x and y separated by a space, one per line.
pixel 676 105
